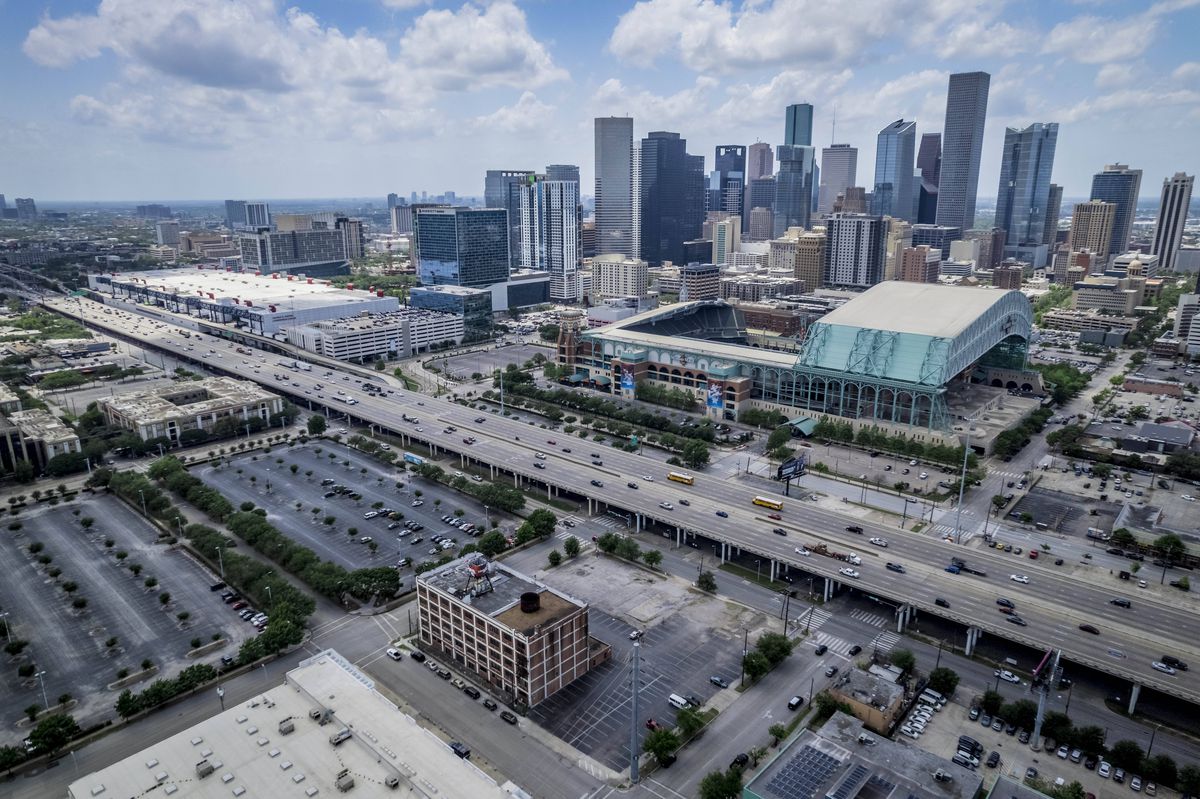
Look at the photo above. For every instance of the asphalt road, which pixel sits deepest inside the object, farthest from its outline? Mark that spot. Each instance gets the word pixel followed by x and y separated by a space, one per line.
pixel 1053 604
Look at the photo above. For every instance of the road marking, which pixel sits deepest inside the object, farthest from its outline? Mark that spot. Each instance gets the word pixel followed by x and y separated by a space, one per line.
pixel 873 619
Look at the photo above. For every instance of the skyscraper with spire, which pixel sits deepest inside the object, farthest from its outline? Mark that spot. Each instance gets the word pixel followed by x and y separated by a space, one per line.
pixel 962 147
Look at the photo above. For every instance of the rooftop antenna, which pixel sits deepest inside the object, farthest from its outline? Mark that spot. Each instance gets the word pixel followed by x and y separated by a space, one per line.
pixel 833 127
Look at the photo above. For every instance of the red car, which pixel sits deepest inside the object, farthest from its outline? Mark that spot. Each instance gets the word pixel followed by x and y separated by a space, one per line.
pixel 774 516
pixel 1033 554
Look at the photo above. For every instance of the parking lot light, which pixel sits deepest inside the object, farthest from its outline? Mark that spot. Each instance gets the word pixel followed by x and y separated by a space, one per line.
pixel 45 701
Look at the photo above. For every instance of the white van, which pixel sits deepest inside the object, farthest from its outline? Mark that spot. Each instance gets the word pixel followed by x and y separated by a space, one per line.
pixel 677 701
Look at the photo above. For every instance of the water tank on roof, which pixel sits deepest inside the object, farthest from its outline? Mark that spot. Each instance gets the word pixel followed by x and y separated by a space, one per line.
pixel 531 602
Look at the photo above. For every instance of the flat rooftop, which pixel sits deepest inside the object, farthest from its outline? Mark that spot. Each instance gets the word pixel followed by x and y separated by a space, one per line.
pixel 42 425
pixel 503 601
pixel 941 311
pixel 188 398
pixel 369 321
pixel 252 757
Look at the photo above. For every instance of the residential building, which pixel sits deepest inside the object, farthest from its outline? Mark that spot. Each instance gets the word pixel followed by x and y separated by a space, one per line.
pixel 919 264
pixel 235 214
pixel 699 282
pixel 1091 228
pixel 1024 191
pixel 962 147
pixel 617 276
pixel 760 163
pixel 797 129
pixel 672 197
pixel 313 252
pixel 1172 217
pixel 462 246
pixel 402 333
pixel 393 199
pixel 549 212
pixel 793 187
pixel 472 304
pixel 755 288
pixel 614 195
pixel 525 640
pixel 258 215
pixel 937 236
pixel 803 253
pixel 899 238
pixel 854 250
pixel 839 171
pixel 153 211
pixel 1119 185
pixel 26 209
pixel 991 246
pixel 762 224
pixel 166 233
pixel 502 189
pixel 1053 212
pixel 567 172
pixel 895 150
pixel 727 239
pixel 170 410
pixel 1008 277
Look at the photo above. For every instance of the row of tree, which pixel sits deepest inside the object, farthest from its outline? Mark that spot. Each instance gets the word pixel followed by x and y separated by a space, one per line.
pixel 1011 441
pixel 875 437
pixel 623 546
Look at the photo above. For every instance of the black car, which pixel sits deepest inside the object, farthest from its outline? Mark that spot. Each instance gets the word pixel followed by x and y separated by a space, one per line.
pixel 993 759
pixel 854 528
pixel 720 682
pixel 417 656
pixel 460 750
pixel 598 483
pixel 941 603
pixel 723 514
pixel 489 704
pixel 895 567
pixel 508 716
pixel 1005 603
pixel 471 691
pixel 632 484
pixel 821 650
pixel 1088 628
pixel 479 420
pixel 854 650
pixel 1115 551
pixel 740 761
pixel 779 531
pixel 216 586
pixel 1120 602
pixel 1017 620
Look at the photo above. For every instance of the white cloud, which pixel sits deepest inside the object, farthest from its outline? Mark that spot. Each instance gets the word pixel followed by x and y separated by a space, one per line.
pixel 1090 39
pixel 527 114
pixel 405 4
pixel 1112 76
pixel 654 111
pixel 1160 101
pixel 1187 72
pixel 765 102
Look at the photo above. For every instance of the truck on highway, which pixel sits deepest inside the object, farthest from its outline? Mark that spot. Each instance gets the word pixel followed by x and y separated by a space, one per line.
pixel 964 568
pixel 415 460
pixel 845 557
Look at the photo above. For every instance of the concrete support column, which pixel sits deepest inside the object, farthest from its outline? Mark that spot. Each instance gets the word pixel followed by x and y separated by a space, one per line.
pixel 774 567
pixel 973 634
pixel 724 552
pixel 492 474
pixel 900 614
pixel 1133 697
pixel 516 481
pixel 637 524
pixel 549 492
pixel 678 536
pixel 828 590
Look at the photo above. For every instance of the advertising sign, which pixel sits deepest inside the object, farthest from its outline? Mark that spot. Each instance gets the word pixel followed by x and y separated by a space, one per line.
pixel 716 395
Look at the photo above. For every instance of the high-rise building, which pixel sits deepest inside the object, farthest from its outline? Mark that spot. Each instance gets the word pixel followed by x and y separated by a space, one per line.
pixel 854 250
pixel 672 197
pixel 550 233
pixel 797 129
pixel 1172 216
pixel 899 238
pixel 929 158
pixel 699 282
pixel 1008 276
pixel 258 215
pixel 3 203
pixel 853 201
pixel 802 252
pixel 616 276
pixel 1091 228
pixel 730 162
pixel 794 187
pixel 936 236
pixel 568 172
pixel 1119 185
pixel 153 211
pixel 355 235
pixel 726 240
pixel 759 163
pixel 166 232
pixel 502 189
pixel 310 251
pixel 1024 190
pixel 919 264
pixel 635 188
pixel 614 186
pixel 1053 211
pixel 895 149
pixel 839 170
pixel 461 246
pixel 235 214
pixel 991 246
pixel 26 209
pixel 962 146
pixel 393 199
pixel 762 224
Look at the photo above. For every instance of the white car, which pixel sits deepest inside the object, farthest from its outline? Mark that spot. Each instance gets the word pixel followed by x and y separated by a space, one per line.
pixel 879 542
pixel 802 551
pixel 666 506
pixel 394 654
pixel 647 478
pixel 1163 667
pixel 416 503
pixel 910 732
pixel 848 572
pixel 1007 676
pixel 1019 578
pixel 924 475
pixel 1188 498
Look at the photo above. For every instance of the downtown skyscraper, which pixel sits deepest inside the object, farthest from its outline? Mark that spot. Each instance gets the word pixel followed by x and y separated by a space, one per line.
pixel 797 126
pixel 839 170
pixel 614 186
pixel 502 189
pixel 1024 191
pixel 672 197
pixel 895 151
pixel 962 147
pixel 1119 185
pixel 730 175
pixel 1172 216
pixel 550 233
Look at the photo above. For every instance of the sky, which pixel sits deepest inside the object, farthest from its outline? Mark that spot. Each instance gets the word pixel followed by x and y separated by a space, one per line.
pixel 209 99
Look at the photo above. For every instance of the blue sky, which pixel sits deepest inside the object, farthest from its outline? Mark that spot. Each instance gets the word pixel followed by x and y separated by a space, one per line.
pixel 172 99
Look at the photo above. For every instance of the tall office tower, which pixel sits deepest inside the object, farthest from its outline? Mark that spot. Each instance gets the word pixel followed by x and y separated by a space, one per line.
pixel 962 145
pixel 635 205
pixel 1024 190
pixel 258 215
pixel 1172 216
pixel 854 250
pixel 726 240
pixel 393 199
pixel 731 177
pixel 938 237
pixel 563 172
pixel 235 214
pixel 461 246
pixel 3 203
pixel 26 209
pixel 794 187
pixel 402 217
pixel 1119 185
pixel 166 232
pixel 1091 228
pixel 1053 211
pixel 929 158
pixel 712 192
pixel 693 196
pixel 663 186
pixel 355 235
pixel 899 238
pixel 614 186
pixel 587 239
pixel 762 224
pixel 853 201
pixel 797 126
pixel 839 170
pixel 895 149
pixel 759 162
pixel 502 189
pixel 550 233
pixel 761 193
pixel 919 264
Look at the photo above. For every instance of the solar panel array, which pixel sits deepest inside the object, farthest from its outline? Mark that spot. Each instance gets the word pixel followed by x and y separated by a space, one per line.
pixel 803 776
pixel 850 784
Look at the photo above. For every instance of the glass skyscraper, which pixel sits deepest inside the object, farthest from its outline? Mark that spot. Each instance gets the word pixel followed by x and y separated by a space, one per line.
pixel 793 187
pixel 962 146
pixel 1119 185
pixel 731 177
pixel 502 189
pixel 614 186
pixel 672 197
pixel 550 233
pixel 797 129
pixel 895 151
pixel 1024 192
pixel 462 246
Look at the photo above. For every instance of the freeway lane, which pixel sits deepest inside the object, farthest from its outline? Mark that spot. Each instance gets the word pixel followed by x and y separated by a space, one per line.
pixel 1050 603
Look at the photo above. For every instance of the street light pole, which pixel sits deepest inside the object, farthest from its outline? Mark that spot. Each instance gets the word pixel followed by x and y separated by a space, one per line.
pixel 46 702
pixel 143 496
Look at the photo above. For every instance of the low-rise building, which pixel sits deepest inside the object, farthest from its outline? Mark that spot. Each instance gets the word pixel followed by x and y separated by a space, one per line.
pixel 526 640
pixel 473 305
pixel 753 288
pixel 168 411
pixel 1078 321
pixel 876 701
pixel 1112 295
pixel 35 436
pixel 9 401
pixel 371 337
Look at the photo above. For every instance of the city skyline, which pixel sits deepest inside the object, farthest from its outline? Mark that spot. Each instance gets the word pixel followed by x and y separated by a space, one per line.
pixel 231 95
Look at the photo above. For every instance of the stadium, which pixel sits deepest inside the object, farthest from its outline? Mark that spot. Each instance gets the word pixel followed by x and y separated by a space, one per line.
pixel 912 358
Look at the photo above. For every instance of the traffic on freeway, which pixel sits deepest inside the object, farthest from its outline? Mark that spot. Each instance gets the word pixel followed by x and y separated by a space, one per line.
pixel 1052 608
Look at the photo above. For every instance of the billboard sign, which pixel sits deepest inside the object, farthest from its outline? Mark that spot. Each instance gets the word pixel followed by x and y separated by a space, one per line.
pixel 626 379
pixel 791 468
pixel 715 396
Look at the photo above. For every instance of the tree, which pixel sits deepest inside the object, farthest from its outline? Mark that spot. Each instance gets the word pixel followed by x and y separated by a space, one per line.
pixel 695 454
pixel 1170 547
pixel 688 721
pixel 903 659
pixel 1072 790
pixel 9 757
pixel 661 743
pixel 991 702
pixel 756 754
pixel 1058 726
pixel 1189 780
pixel 775 647
pixel 756 665
pixel 1126 754
pixel 1160 769
pixel 943 680
pixel 555 557
pixel 571 547
pixel 316 425
pixel 1089 739
pixel 1022 713
pixel 721 785
pixel 53 733
pixel 777 732
pixel 608 543
pixel 492 544
pixel 706 581
pixel 541 522
pixel 652 558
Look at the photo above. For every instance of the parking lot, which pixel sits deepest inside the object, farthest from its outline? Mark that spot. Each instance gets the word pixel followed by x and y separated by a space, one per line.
pixel 687 638
pixel 295 503
pixel 484 362
pixel 70 644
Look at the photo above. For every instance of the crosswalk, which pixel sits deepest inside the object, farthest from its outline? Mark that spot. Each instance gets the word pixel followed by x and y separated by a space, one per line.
pixel 874 619
pixel 995 473
pixel 883 643
pixel 944 530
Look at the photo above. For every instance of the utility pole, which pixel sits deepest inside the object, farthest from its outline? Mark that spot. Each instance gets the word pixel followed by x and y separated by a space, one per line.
pixel 634 752
pixel 962 485
pixel 1043 689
